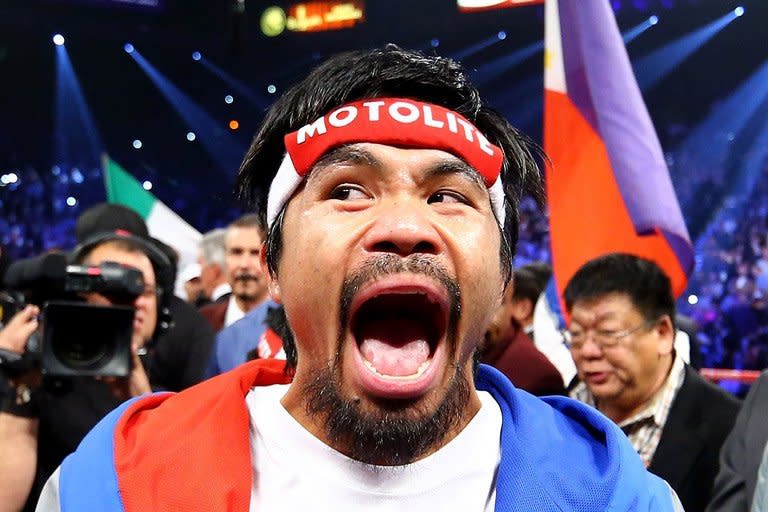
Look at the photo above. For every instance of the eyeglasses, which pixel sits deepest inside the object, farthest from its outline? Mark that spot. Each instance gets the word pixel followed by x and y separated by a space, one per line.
pixel 604 338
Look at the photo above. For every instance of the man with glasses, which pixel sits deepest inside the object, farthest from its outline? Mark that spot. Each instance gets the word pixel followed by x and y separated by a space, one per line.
pixel 621 336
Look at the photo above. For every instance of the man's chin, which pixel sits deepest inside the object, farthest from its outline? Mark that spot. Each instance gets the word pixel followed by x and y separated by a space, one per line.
pixel 381 430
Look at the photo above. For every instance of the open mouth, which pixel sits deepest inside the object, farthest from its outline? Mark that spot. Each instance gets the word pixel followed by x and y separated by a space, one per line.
pixel 398 330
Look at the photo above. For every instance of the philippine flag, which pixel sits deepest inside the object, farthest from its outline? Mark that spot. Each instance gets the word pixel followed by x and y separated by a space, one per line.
pixel 608 186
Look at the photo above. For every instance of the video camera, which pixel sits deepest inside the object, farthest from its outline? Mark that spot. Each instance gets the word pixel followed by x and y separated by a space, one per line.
pixel 75 338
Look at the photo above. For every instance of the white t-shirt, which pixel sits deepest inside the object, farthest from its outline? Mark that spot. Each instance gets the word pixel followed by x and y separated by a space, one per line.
pixel 293 470
pixel 233 312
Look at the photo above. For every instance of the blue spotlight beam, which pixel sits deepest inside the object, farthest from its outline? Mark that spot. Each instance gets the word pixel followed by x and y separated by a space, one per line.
pixel 475 48
pixel 634 32
pixel 488 71
pixel 652 68
pixel 220 145
pixel 709 141
pixel 749 171
pixel 76 138
pixel 523 102
pixel 237 85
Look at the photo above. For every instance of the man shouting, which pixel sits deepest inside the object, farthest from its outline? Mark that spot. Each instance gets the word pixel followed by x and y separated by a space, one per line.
pixel 390 193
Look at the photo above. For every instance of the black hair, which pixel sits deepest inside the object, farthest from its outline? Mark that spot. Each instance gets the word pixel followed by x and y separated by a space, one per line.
pixel 527 285
pixel 395 72
pixel 173 258
pixel 251 220
pixel 646 285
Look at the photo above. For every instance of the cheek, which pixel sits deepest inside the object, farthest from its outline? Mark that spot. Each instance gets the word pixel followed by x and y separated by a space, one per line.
pixel 624 366
pixel 479 272
pixel 311 270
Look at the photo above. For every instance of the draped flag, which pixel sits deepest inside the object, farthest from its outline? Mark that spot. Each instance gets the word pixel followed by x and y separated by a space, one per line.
pixel 608 186
pixel 162 222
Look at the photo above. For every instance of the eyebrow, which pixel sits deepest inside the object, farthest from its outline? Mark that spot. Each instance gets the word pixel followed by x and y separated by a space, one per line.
pixel 347 154
pixel 354 155
pixel 610 315
pixel 458 167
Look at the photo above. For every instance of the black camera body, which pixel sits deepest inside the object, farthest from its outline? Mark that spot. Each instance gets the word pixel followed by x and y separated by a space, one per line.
pixel 86 339
pixel 75 338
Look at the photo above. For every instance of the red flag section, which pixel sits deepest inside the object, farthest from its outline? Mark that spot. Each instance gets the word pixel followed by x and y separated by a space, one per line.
pixel 608 186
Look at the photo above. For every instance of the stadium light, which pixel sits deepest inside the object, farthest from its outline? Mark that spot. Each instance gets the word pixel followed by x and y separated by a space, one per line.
pixel 196 56
pixel 128 48
pixel 228 99
pixel 147 185
pixel 501 35
pixel 653 20
pixel 739 11
pixel 58 39
pixel 137 144
pixel 191 136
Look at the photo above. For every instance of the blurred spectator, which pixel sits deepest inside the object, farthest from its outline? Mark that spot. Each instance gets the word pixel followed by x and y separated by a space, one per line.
pixel 621 336
pixel 742 454
pixel 509 348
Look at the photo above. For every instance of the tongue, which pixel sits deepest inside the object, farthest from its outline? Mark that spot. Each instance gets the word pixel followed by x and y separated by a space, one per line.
pixel 394 346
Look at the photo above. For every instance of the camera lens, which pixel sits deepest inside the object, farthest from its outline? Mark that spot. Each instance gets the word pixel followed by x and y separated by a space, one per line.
pixel 81 350
pixel 83 347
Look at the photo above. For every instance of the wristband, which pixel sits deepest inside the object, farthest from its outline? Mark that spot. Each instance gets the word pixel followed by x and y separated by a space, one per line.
pixel 21 401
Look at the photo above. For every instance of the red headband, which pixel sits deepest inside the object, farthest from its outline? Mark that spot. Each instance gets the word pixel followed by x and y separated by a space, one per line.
pixel 392 121
pixel 397 122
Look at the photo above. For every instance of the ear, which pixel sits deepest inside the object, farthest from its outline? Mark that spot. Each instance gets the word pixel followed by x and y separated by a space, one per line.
pixel 522 309
pixel 666 334
pixel 272 284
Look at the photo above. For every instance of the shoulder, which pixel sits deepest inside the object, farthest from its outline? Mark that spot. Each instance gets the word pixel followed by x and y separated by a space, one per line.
pixel 711 396
pixel 214 309
pixel 249 324
pixel 139 441
pixel 570 451
pixel 758 393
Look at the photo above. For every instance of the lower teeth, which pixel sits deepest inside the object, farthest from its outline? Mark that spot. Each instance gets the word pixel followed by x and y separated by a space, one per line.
pixel 422 367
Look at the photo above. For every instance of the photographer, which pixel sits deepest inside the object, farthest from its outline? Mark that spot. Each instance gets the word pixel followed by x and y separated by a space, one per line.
pixel 42 422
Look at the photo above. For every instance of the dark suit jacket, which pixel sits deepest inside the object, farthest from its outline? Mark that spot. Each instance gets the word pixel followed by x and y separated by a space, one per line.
pixel 215 313
pixel 742 452
pixel 701 417
pixel 181 354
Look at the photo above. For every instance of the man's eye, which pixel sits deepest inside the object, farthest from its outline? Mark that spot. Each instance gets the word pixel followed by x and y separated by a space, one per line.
pixel 446 196
pixel 348 193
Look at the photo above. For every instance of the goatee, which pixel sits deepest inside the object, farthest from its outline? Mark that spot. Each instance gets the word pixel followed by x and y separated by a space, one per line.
pixel 395 432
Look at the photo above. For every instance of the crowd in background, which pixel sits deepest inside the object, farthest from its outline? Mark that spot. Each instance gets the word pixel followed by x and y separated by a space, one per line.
pixel 37 217
pixel 727 293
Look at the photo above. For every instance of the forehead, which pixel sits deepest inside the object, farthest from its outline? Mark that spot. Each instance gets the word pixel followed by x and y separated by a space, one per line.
pixel 240 235
pixel 610 306
pixel 383 157
pixel 112 252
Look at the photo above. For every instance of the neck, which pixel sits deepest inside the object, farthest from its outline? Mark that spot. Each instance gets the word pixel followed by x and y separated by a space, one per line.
pixel 625 407
pixel 247 303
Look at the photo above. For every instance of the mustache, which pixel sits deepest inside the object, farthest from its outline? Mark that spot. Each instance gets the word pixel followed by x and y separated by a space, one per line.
pixel 390 264
pixel 247 277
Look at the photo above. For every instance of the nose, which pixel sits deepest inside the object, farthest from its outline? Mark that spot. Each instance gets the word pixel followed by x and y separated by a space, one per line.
pixel 141 301
pixel 403 227
pixel 591 349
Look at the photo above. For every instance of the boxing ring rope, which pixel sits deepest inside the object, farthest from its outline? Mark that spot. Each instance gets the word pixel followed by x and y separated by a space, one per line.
pixel 718 374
